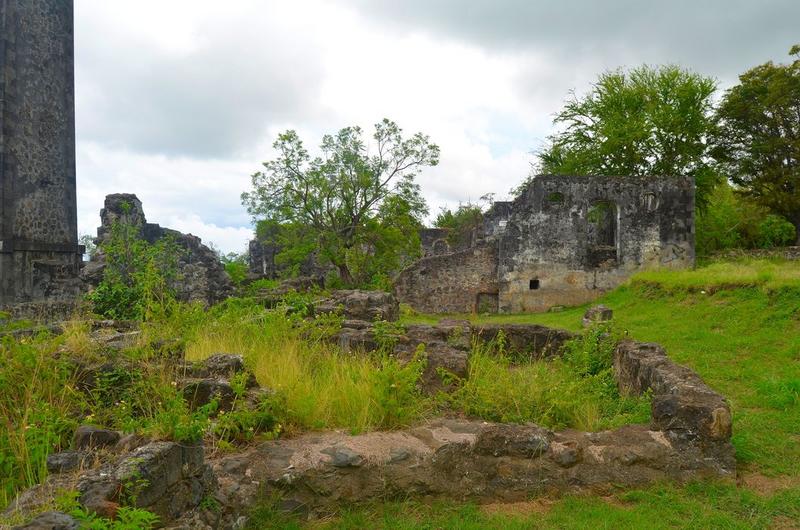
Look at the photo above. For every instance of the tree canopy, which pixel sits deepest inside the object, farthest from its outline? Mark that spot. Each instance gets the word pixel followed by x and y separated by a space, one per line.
pixel 648 121
pixel 759 140
pixel 349 203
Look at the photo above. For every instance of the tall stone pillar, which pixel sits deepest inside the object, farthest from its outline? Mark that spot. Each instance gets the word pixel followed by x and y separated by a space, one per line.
pixel 39 252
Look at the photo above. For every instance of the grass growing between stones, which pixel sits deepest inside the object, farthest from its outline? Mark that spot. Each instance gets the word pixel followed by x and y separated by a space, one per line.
pixel 577 390
pixel 324 388
pixel 320 386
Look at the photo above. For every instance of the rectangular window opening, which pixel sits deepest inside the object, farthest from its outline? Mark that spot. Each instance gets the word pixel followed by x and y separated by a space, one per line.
pixel 534 284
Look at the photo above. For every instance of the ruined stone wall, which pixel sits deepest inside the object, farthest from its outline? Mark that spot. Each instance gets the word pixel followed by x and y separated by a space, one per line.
pixel 201 276
pixel 496 219
pixel 571 238
pixel 39 254
pixel 460 282
pixel 434 241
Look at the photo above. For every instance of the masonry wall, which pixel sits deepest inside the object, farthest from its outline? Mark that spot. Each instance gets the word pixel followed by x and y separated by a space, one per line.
pixel 39 254
pixel 460 282
pixel 554 251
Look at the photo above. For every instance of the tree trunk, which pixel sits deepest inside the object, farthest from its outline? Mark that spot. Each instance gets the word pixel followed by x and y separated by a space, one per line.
pixel 797 231
pixel 345 275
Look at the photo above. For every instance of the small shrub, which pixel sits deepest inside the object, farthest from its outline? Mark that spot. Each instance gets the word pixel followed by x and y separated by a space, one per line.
pixel 243 424
pixel 38 405
pixel 127 518
pixel 237 271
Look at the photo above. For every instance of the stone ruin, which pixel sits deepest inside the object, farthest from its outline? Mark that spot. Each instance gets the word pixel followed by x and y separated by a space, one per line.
pixel 564 241
pixel 318 473
pixel 201 276
pixel 40 258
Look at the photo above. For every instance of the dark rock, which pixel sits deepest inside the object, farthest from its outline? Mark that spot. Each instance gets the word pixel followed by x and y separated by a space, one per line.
pixel 525 340
pixel 51 521
pixel 343 457
pixel 356 324
pixel 399 454
pixel 164 477
pixel 129 442
pixel 682 402
pixel 99 492
pixel 356 339
pixel 221 366
pixel 596 314
pixel 361 305
pixel 91 437
pixel 565 456
pixel 200 392
pixel 443 358
pixel 301 284
pixel 65 461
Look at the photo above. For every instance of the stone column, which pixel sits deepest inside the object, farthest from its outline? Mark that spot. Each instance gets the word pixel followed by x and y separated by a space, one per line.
pixel 39 252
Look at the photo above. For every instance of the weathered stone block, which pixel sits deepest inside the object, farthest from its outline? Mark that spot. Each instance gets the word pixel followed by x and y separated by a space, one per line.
pixel 91 437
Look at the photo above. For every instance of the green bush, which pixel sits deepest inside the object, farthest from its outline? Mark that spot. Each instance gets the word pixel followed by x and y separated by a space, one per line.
pixel 138 281
pixel 775 231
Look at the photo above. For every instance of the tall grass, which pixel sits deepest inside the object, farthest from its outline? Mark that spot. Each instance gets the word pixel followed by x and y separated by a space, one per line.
pixel 37 404
pixel 322 387
pixel 577 391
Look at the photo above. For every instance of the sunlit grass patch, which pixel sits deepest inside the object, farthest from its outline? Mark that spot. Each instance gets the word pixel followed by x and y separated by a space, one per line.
pixel 771 275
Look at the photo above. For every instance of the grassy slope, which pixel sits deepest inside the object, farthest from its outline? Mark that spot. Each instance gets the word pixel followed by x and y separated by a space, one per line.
pixel 738 325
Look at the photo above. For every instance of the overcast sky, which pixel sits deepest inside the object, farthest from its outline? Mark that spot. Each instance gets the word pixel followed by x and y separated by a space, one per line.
pixel 180 101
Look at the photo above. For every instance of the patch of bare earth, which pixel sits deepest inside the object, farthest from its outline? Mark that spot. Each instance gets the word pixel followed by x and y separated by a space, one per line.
pixel 764 485
pixel 536 506
pixel 784 523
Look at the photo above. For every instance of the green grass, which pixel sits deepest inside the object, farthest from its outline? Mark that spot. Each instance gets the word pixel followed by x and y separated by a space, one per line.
pixel 697 505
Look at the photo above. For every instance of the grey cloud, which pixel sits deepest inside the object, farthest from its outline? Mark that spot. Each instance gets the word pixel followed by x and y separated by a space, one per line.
pixel 716 37
pixel 214 101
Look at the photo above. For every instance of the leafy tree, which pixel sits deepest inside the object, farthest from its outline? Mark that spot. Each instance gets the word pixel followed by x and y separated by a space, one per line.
pixel 729 221
pixel 648 121
pixel 349 199
pixel 87 240
pixel 759 140
pixel 236 265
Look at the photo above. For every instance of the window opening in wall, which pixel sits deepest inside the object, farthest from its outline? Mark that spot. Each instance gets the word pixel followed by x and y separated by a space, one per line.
pixel 534 284
pixel 556 197
pixel 602 233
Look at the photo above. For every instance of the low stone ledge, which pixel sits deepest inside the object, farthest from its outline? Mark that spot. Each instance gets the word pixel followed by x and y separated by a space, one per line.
pixel 456 459
pixel 682 403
